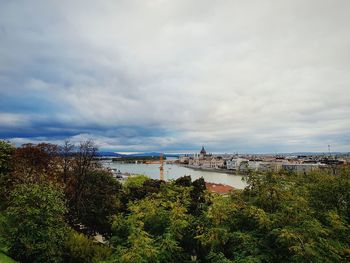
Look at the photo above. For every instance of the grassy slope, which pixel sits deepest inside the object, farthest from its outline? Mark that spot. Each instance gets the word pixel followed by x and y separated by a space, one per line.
pixel 5 259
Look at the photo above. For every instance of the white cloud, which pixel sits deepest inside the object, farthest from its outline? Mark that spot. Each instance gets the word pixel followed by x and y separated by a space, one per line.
pixel 231 74
pixel 11 120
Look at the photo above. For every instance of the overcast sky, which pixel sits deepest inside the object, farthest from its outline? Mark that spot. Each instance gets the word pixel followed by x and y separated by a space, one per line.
pixel 173 75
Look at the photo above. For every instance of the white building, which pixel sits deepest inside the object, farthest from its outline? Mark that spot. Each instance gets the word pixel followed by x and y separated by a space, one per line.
pixel 236 164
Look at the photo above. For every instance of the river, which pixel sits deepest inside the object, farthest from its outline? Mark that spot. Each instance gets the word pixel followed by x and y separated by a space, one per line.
pixel 174 171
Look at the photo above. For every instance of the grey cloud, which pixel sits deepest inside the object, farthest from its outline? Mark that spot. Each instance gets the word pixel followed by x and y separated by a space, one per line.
pixel 236 75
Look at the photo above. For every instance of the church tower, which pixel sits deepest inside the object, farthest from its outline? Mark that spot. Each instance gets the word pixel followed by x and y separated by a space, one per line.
pixel 203 152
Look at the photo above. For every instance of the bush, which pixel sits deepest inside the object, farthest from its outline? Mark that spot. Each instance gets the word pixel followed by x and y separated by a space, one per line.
pixel 81 249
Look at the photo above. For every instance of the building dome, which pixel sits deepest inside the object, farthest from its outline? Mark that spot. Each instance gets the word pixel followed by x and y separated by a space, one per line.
pixel 203 152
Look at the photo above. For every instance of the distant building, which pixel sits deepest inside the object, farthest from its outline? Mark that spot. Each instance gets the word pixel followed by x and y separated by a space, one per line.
pixel 203 151
pixel 300 168
pixel 238 164
pixel 217 162
pixel 232 164
pixel 205 160
pixel 184 159
pixel 254 165
pixel 270 166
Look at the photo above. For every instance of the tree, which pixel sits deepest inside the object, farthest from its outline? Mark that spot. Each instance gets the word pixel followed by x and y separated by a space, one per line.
pixel 135 181
pixel 133 188
pixel 184 181
pixel 66 154
pixel 81 165
pixel 197 195
pixel 6 182
pixel 33 226
pixel 152 186
pixel 98 202
pixel 81 249
pixel 6 150
pixel 157 224
pixel 36 163
pixel 149 233
pixel 331 193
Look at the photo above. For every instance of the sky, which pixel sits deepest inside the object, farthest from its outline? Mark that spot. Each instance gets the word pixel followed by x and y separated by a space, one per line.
pixel 245 76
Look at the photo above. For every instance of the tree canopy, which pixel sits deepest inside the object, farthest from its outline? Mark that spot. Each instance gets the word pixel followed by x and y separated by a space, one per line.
pixel 33 225
pixel 55 200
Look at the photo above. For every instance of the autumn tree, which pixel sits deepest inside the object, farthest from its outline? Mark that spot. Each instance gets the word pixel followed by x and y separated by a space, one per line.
pixel 35 163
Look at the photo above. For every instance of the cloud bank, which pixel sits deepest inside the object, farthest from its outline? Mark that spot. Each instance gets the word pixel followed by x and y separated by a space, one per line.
pixel 247 76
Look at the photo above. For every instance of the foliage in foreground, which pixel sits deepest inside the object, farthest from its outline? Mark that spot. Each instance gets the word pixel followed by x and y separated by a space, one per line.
pixel 276 218
pixel 81 249
pixel 33 225
pixel 56 200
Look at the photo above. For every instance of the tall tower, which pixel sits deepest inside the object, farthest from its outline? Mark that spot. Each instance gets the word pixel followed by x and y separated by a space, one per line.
pixel 203 151
pixel 161 167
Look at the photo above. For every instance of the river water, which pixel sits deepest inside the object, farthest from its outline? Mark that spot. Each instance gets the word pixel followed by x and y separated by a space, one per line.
pixel 173 171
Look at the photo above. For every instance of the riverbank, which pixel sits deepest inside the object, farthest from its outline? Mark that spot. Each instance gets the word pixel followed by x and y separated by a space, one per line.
pixel 174 171
pixel 207 169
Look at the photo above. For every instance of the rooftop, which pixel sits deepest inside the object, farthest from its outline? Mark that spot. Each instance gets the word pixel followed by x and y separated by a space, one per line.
pixel 219 188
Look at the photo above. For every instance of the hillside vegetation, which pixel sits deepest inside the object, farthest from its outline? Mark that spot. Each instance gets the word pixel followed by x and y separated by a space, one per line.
pixel 54 200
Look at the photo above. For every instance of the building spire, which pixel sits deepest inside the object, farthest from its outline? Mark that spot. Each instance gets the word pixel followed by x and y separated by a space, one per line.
pixel 203 151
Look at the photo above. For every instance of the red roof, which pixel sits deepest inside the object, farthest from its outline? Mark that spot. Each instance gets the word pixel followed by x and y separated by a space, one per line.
pixel 219 188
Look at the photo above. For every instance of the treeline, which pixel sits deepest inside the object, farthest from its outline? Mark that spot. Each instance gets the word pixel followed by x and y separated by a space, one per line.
pixel 140 159
pixel 54 200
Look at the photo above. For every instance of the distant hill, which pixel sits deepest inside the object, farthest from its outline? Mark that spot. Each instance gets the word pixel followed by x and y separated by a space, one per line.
pixel 145 154
pixel 154 154
pixel 109 154
pixel 150 154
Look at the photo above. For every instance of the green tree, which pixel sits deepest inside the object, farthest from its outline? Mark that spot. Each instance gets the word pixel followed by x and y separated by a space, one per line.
pixel 135 181
pixel 6 182
pixel 98 202
pixel 33 225
pixel 134 188
pixel 158 225
pixel 81 249
pixel 278 217
pixel 197 196
pixel 329 193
